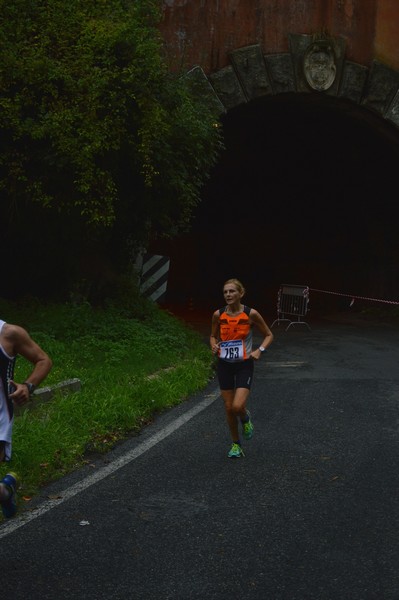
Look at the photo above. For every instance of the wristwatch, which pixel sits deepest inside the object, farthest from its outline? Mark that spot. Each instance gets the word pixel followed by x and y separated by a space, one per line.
pixel 262 349
pixel 31 386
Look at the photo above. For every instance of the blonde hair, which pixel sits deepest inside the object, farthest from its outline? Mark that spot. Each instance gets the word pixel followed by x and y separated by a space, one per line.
pixel 237 283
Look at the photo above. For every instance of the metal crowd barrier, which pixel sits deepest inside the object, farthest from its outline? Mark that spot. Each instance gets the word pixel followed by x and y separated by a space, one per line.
pixel 292 301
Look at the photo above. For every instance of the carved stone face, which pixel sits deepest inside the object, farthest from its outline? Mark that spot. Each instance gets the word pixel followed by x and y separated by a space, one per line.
pixel 319 66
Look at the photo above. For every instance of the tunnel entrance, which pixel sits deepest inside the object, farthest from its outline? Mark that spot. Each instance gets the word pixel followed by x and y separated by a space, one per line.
pixel 302 194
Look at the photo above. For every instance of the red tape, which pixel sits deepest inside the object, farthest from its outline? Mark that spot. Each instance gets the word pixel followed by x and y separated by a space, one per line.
pixel 358 297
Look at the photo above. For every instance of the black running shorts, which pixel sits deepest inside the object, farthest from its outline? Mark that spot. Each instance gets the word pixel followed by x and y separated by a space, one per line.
pixel 2 448
pixel 234 375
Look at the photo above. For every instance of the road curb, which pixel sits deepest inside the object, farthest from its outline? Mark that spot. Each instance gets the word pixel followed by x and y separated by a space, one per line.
pixel 44 394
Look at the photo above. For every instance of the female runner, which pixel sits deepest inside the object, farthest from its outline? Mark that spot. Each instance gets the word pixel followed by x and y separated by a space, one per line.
pixel 231 340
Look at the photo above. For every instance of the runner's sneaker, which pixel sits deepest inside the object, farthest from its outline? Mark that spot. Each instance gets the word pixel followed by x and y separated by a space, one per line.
pixel 247 428
pixel 235 451
pixel 9 507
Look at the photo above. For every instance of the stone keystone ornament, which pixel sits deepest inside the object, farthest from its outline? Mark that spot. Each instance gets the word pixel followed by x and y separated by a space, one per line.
pixel 319 65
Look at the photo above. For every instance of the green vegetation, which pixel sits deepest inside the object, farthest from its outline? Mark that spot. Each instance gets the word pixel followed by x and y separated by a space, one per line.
pixel 101 147
pixel 130 367
pixel 102 150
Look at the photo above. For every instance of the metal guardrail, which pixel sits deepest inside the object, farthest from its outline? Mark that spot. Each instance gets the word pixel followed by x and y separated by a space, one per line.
pixel 292 301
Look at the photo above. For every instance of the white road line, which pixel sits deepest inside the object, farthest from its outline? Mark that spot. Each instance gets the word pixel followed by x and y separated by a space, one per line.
pixel 25 518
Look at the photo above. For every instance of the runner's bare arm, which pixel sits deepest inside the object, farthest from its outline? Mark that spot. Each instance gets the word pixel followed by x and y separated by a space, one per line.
pixel 264 329
pixel 214 338
pixel 16 340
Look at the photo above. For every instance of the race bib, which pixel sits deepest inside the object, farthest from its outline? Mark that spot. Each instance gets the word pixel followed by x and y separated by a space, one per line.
pixel 232 350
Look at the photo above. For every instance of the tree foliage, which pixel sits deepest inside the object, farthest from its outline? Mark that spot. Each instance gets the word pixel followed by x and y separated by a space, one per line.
pixel 99 143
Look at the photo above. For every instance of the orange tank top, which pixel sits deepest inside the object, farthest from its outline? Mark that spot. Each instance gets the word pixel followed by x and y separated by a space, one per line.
pixel 235 334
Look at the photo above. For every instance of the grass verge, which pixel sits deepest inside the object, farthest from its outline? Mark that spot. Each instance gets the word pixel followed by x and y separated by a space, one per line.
pixel 129 367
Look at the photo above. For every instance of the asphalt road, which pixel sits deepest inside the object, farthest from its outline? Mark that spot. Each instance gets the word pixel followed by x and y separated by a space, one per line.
pixel 311 512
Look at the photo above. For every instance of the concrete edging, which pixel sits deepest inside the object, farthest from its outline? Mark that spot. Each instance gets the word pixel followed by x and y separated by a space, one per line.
pixel 44 394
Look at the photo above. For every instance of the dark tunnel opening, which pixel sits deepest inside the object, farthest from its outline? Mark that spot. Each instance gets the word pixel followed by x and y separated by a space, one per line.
pixel 302 194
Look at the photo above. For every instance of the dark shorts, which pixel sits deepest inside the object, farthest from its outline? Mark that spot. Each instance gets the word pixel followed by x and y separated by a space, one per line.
pixel 234 375
pixel 2 450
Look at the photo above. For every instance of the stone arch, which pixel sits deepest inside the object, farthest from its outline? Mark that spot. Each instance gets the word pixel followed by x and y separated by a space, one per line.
pixel 367 100
pixel 253 74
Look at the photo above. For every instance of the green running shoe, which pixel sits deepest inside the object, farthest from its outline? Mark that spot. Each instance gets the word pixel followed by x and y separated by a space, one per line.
pixel 247 428
pixel 235 451
pixel 9 507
